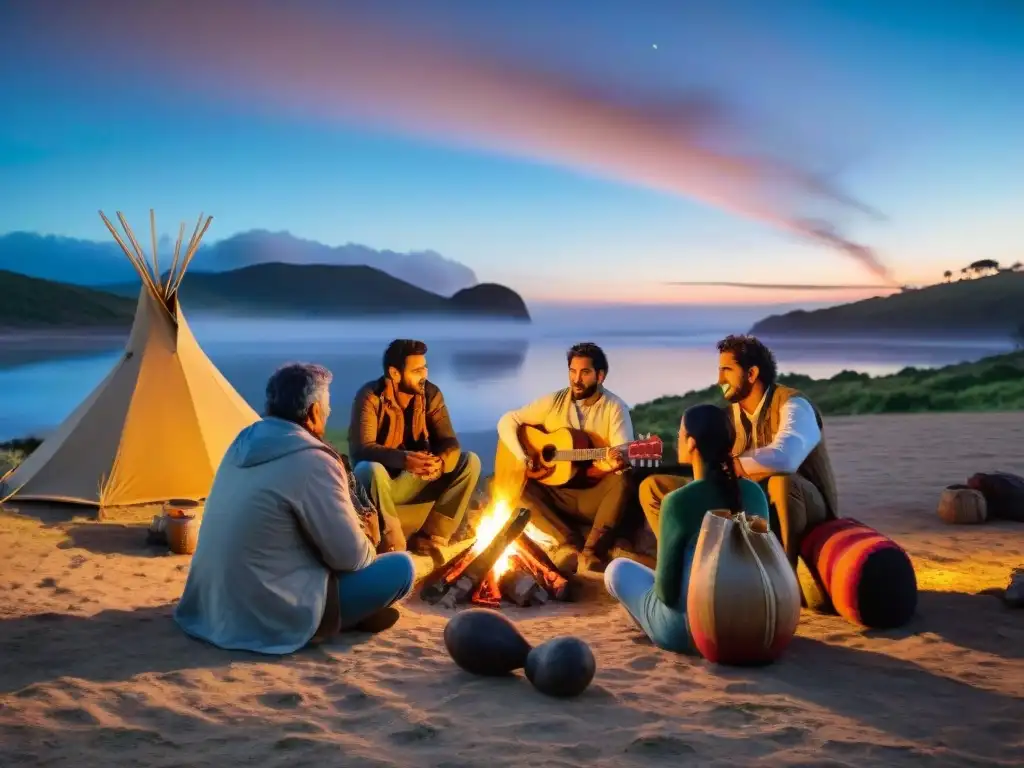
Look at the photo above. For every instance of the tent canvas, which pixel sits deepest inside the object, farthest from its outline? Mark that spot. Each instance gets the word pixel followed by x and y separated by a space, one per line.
pixel 158 425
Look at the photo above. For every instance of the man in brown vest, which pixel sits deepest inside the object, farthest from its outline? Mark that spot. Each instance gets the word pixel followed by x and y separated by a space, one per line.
pixel 779 444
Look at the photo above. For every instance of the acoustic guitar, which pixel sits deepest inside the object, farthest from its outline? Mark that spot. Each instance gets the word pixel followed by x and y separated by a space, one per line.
pixel 561 454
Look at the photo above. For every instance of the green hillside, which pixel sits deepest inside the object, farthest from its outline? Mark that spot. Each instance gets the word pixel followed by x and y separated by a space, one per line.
pixel 991 384
pixel 986 306
pixel 31 303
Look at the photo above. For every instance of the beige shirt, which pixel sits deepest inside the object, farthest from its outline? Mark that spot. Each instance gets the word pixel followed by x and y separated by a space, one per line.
pixel 607 419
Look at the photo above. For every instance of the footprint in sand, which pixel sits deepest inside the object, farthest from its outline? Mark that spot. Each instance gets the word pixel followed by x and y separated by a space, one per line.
pixel 789 737
pixel 417 733
pixel 75 716
pixel 281 699
pixel 78 561
pixel 738 689
pixel 582 751
pixel 644 663
pixel 48 582
pixel 295 742
pixel 732 715
pixel 660 746
pixel 303 726
pixel 866 750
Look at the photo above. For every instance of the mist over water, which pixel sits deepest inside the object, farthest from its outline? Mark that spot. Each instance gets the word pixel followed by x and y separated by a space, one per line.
pixel 484 367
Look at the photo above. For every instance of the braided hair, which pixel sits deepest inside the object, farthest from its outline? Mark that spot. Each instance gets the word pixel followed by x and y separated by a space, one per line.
pixel 712 430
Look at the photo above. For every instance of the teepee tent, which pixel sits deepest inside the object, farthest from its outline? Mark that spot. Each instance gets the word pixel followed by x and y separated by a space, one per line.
pixel 158 425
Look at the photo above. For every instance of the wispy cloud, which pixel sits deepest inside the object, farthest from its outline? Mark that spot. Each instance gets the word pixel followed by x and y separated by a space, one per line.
pixel 787 286
pixel 355 68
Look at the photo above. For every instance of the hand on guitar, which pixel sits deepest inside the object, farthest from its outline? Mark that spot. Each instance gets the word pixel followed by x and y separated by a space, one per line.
pixel 613 462
pixel 532 465
pixel 423 464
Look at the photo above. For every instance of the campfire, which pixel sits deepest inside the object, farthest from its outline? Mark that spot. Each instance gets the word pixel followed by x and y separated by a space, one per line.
pixel 506 560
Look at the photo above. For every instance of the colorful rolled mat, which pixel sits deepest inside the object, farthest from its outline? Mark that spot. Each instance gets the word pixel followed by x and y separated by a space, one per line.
pixel 869 577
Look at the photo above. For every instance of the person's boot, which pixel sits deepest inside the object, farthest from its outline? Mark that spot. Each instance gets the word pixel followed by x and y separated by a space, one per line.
pixel 593 558
pixel 422 544
pixel 566 558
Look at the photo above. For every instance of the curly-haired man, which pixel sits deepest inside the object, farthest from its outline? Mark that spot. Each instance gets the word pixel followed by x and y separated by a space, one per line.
pixel 779 444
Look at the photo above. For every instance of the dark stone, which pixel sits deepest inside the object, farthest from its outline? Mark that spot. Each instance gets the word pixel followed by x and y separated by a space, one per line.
pixel 562 667
pixel 485 642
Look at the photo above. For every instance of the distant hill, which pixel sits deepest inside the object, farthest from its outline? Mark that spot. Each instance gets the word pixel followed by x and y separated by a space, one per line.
pixel 987 306
pixel 490 299
pixel 332 291
pixel 85 262
pixel 28 302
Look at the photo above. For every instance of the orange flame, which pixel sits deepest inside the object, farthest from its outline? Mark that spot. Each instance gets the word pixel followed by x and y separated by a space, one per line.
pixel 490 524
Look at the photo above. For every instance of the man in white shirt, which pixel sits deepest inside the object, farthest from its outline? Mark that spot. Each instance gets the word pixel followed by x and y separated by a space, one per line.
pixel 779 444
pixel 596 499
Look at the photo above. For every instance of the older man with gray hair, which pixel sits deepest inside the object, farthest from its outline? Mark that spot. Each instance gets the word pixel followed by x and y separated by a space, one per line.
pixel 282 558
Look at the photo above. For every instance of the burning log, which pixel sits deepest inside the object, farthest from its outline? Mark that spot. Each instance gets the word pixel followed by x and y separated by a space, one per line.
pixel 464 576
pixel 536 561
pixel 487 594
pixel 521 587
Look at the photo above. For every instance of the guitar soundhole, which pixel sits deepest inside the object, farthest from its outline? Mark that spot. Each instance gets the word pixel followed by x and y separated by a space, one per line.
pixel 547 453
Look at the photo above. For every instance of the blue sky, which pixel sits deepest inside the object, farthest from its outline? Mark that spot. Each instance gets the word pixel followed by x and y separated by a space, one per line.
pixel 914 108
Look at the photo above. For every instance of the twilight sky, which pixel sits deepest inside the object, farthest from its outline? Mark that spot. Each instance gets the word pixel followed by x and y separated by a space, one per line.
pixel 575 150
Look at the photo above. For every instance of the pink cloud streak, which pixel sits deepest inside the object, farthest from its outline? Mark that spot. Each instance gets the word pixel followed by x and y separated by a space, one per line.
pixel 357 70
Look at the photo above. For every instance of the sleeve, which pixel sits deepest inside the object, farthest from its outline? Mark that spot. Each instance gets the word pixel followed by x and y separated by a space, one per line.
pixel 798 435
pixel 531 413
pixel 443 437
pixel 682 513
pixel 668 571
pixel 363 445
pixel 328 517
pixel 620 426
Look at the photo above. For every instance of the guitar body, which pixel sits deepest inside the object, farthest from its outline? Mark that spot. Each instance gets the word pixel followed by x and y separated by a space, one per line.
pixel 548 451
pixel 541 447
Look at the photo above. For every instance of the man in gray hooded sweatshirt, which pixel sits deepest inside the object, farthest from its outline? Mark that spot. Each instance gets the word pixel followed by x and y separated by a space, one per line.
pixel 282 556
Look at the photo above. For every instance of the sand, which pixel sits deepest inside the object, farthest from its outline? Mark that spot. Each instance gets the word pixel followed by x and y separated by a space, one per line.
pixel 95 672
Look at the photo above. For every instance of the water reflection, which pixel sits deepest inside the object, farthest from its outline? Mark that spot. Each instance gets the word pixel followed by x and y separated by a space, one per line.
pixel 484 368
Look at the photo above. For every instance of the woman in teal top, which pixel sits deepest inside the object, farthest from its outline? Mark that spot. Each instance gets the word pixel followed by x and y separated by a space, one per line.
pixel 656 600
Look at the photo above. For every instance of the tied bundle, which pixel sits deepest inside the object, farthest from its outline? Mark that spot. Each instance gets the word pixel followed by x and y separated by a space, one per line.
pixel 743 600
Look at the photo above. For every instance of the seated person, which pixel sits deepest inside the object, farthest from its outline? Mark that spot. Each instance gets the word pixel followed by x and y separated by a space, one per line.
pixel 779 444
pixel 656 600
pixel 596 499
pixel 282 558
pixel 405 452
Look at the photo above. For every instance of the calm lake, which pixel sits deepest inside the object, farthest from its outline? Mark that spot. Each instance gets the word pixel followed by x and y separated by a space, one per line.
pixel 484 368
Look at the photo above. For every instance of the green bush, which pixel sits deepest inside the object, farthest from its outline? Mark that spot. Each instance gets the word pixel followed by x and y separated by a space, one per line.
pixel 991 384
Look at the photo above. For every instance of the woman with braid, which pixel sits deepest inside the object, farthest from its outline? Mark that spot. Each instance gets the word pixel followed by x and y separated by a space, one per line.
pixel 656 600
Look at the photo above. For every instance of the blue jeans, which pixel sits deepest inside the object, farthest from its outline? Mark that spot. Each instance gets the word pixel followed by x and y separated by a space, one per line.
pixel 632 584
pixel 379 585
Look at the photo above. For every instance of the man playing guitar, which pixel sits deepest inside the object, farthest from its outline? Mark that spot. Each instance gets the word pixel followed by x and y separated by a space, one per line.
pixel 596 497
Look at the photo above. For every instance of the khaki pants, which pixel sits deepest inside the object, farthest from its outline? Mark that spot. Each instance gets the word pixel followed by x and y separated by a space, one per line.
pixel 560 511
pixel 796 506
pixel 653 491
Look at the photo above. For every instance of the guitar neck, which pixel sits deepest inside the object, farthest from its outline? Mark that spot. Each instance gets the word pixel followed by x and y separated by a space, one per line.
pixel 585 454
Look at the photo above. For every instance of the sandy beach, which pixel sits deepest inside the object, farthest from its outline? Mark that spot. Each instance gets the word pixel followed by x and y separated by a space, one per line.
pixel 95 672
